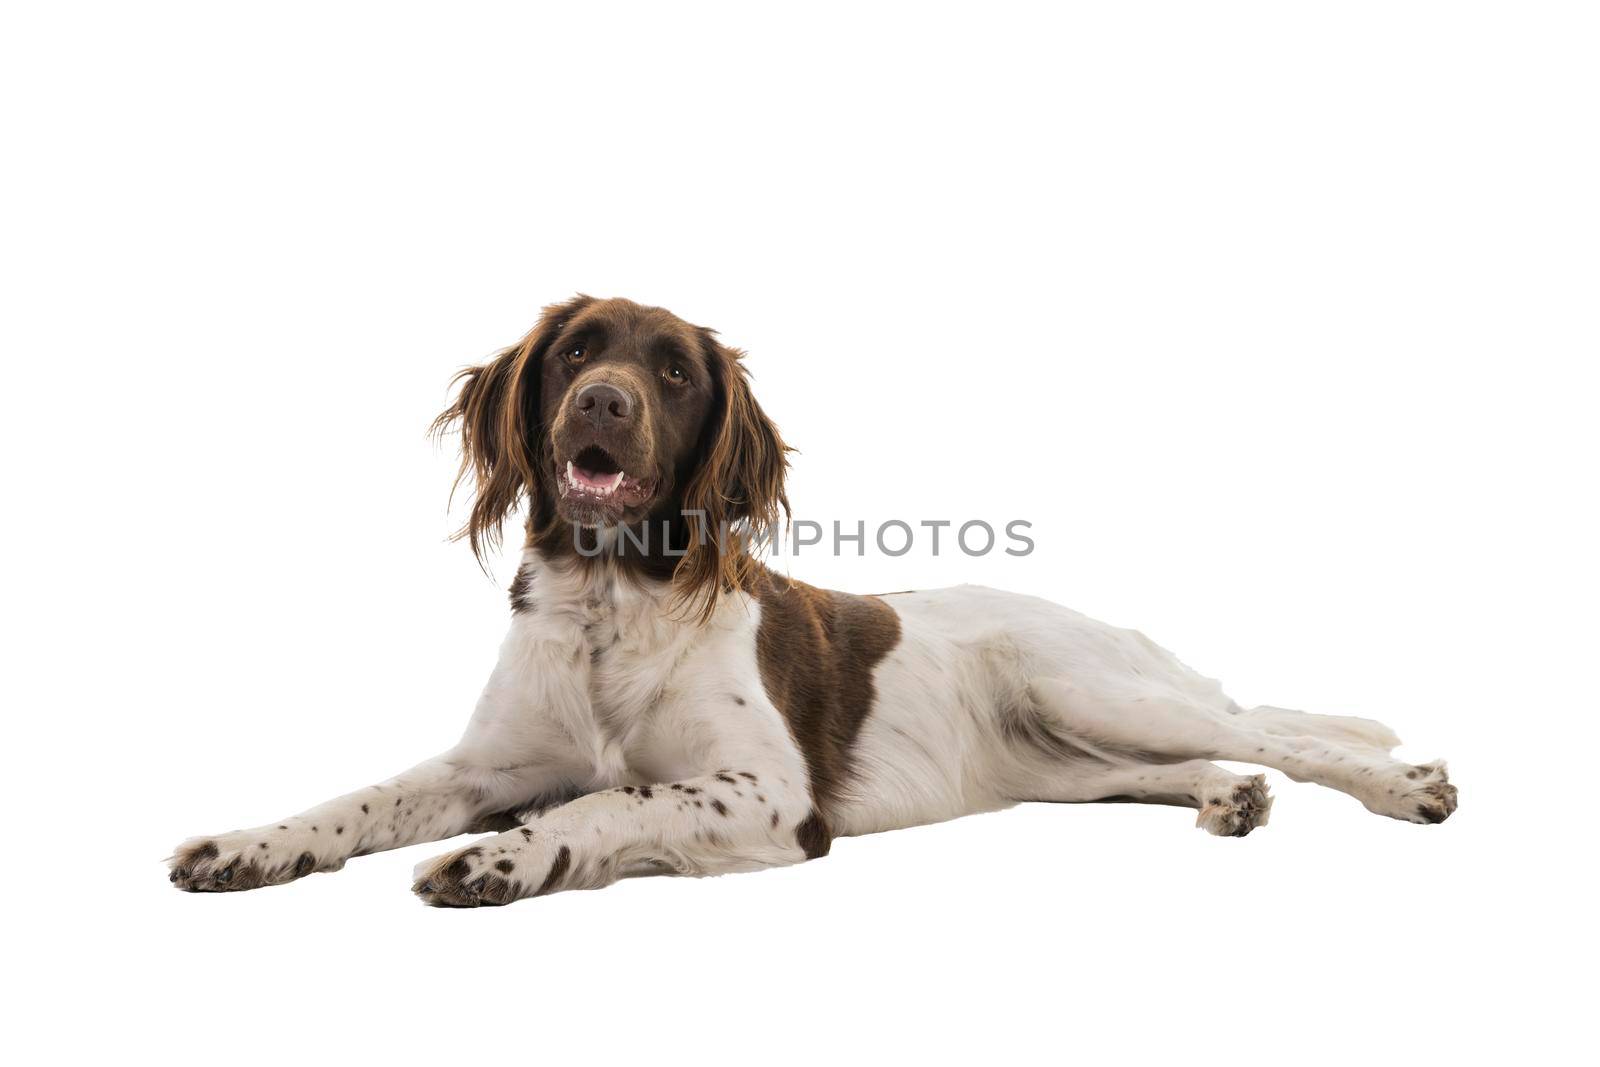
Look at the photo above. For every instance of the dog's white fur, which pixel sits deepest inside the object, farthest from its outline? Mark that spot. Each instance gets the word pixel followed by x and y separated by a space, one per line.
pixel 629 740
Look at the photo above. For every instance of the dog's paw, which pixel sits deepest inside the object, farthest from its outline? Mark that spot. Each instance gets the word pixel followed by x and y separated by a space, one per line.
pixel 495 871
pixel 1422 794
pixel 1238 810
pixel 245 859
pixel 1434 798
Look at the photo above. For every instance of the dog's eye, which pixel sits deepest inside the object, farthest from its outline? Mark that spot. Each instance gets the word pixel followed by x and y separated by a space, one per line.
pixel 675 374
pixel 575 355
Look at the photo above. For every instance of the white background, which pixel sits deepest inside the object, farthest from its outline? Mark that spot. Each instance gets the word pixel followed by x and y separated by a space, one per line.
pixel 1278 323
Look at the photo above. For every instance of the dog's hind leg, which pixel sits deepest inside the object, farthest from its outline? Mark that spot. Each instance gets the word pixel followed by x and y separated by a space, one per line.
pixel 1346 730
pixel 1230 805
pixel 1157 724
pixel 1048 762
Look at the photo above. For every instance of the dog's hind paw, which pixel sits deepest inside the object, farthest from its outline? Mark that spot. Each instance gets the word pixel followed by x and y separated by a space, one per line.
pixel 1236 812
pixel 1434 798
pixel 1421 794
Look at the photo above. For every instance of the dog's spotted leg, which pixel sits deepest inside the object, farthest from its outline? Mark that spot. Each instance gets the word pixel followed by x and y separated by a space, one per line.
pixel 517 751
pixel 734 820
pixel 1230 805
pixel 436 799
pixel 1160 724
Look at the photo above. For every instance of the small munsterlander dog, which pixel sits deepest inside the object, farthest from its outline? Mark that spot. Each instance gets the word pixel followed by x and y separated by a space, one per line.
pixel 664 703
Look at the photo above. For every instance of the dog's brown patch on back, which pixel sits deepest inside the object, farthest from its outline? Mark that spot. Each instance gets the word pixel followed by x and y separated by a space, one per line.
pixel 817 650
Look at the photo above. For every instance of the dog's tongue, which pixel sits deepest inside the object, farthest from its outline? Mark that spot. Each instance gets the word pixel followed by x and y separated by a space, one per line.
pixel 596 481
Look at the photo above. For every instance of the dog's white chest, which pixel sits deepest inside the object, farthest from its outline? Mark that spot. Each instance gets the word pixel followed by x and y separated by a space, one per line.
pixel 631 647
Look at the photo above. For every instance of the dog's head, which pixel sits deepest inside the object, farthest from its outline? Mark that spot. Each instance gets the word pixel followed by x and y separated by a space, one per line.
pixel 611 413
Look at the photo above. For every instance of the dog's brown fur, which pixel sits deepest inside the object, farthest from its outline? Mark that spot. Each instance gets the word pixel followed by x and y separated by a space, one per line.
pixel 609 417
pixel 716 454
pixel 721 462
pixel 817 650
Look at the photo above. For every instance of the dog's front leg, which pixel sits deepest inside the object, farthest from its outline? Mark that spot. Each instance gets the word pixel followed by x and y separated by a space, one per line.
pixel 439 798
pixel 735 819
pixel 517 752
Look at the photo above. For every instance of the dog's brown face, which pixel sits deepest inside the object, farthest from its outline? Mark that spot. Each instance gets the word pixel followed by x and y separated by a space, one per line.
pixel 626 392
pixel 609 412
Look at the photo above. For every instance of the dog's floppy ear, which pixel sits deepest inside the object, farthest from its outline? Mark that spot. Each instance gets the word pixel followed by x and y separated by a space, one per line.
pixel 736 489
pixel 497 408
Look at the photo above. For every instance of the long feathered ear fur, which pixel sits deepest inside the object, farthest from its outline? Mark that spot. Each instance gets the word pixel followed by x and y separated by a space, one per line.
pixel 737 487
pixel 497 408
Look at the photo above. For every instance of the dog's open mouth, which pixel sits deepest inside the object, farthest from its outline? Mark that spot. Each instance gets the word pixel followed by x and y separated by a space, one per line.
pixel 595 475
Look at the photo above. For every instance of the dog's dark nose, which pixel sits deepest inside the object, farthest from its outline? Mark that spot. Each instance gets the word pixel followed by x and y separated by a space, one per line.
pixel 601 402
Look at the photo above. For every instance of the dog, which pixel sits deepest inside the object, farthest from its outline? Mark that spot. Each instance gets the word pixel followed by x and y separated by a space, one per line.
pixel 672 705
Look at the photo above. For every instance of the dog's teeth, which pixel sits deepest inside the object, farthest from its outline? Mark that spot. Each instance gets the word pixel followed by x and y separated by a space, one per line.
pixel 589 485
